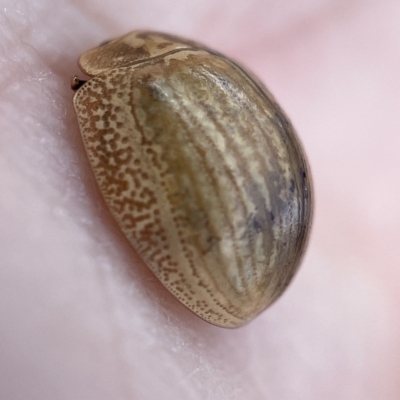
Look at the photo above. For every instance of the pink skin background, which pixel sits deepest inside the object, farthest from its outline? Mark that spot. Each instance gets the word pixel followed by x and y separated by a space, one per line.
pixel 82 317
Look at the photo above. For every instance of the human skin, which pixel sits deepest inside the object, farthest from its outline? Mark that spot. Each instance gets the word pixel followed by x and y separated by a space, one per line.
pixel 83 318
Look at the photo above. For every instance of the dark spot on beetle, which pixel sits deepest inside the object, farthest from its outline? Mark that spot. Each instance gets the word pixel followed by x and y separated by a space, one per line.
pixel 141 52
pixel 304 176
pixel 224 83
pixel 164 45
pixel 291 188
pixel 272 216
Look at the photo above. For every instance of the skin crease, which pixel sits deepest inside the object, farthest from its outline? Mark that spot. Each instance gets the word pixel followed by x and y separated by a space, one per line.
pixel 83 318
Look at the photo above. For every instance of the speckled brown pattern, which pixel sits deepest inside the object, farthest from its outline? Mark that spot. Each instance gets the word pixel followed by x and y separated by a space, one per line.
pixel 201 169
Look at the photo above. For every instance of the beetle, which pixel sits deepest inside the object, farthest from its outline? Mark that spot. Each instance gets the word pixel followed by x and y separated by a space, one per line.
pixel 201 169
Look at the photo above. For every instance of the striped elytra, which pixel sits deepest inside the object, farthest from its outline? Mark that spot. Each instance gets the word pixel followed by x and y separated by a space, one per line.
pixel 201 169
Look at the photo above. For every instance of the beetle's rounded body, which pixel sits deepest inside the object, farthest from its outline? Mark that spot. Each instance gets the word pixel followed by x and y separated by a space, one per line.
pixel 201 170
